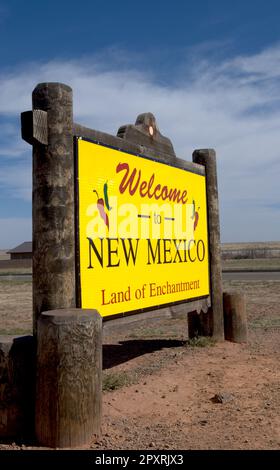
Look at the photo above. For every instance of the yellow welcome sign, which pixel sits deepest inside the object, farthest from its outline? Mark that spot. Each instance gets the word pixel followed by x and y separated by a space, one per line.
pixel 142 228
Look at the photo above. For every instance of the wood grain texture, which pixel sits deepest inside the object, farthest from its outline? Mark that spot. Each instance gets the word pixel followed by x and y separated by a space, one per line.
pixel 17 386
pixel 200 324
pixel 136 147
pixel 53 203
pixel 215 324
pixel 69 377
pixel 235 317
pixel 140 133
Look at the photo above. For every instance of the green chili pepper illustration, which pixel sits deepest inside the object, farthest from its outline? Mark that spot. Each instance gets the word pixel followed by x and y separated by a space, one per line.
pixel 106 198
pixel 193 214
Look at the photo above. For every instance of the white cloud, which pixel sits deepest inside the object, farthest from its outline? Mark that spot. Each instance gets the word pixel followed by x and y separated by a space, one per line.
pixel 232 106
pixel 264 65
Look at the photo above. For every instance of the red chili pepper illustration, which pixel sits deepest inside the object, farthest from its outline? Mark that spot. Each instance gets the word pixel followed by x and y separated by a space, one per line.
pixel 100 207
pixel 195 215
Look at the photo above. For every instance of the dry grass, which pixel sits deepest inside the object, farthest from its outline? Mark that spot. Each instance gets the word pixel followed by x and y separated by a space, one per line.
pixel 251 264
pixel 115 380
pixel 4 255
pixel 251 245
pixel 15 307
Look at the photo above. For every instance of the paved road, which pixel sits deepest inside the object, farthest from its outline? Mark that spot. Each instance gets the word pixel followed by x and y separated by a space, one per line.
pixel 252 276
pixel 228 276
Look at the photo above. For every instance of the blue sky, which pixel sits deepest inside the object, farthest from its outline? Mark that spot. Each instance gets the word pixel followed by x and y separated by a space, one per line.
pixel 208 70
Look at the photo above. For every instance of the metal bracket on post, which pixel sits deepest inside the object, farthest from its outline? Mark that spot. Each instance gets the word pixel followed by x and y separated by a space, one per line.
pixel 34 126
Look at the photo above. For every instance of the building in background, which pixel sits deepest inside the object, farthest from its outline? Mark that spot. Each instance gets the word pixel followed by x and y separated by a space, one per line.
pixel 23 251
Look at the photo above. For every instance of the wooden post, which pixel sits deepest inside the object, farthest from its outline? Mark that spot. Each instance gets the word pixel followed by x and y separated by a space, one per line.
pixel 235 317
pixel 17 386
pixel 53 198
pixel 69 377
pixel 215 325
pixel 200 324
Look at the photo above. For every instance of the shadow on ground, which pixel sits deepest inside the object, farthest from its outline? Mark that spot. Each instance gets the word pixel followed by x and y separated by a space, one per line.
pixel 115 354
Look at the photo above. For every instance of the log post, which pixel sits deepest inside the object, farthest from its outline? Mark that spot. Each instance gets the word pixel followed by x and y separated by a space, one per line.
pixel 53 197
pixel 235 317
pixel 69 377
pixel 17 386
pixel 214 325
pixel 199 324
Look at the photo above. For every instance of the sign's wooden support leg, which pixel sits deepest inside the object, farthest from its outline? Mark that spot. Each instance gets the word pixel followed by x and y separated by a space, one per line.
pixel 235 317
pixel 214 325
pixel 69 344
pixel 17 385
pixel 53 201
pixel 69 377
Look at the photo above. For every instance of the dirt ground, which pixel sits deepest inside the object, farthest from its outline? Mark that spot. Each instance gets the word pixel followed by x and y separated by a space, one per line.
pixel 158 385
